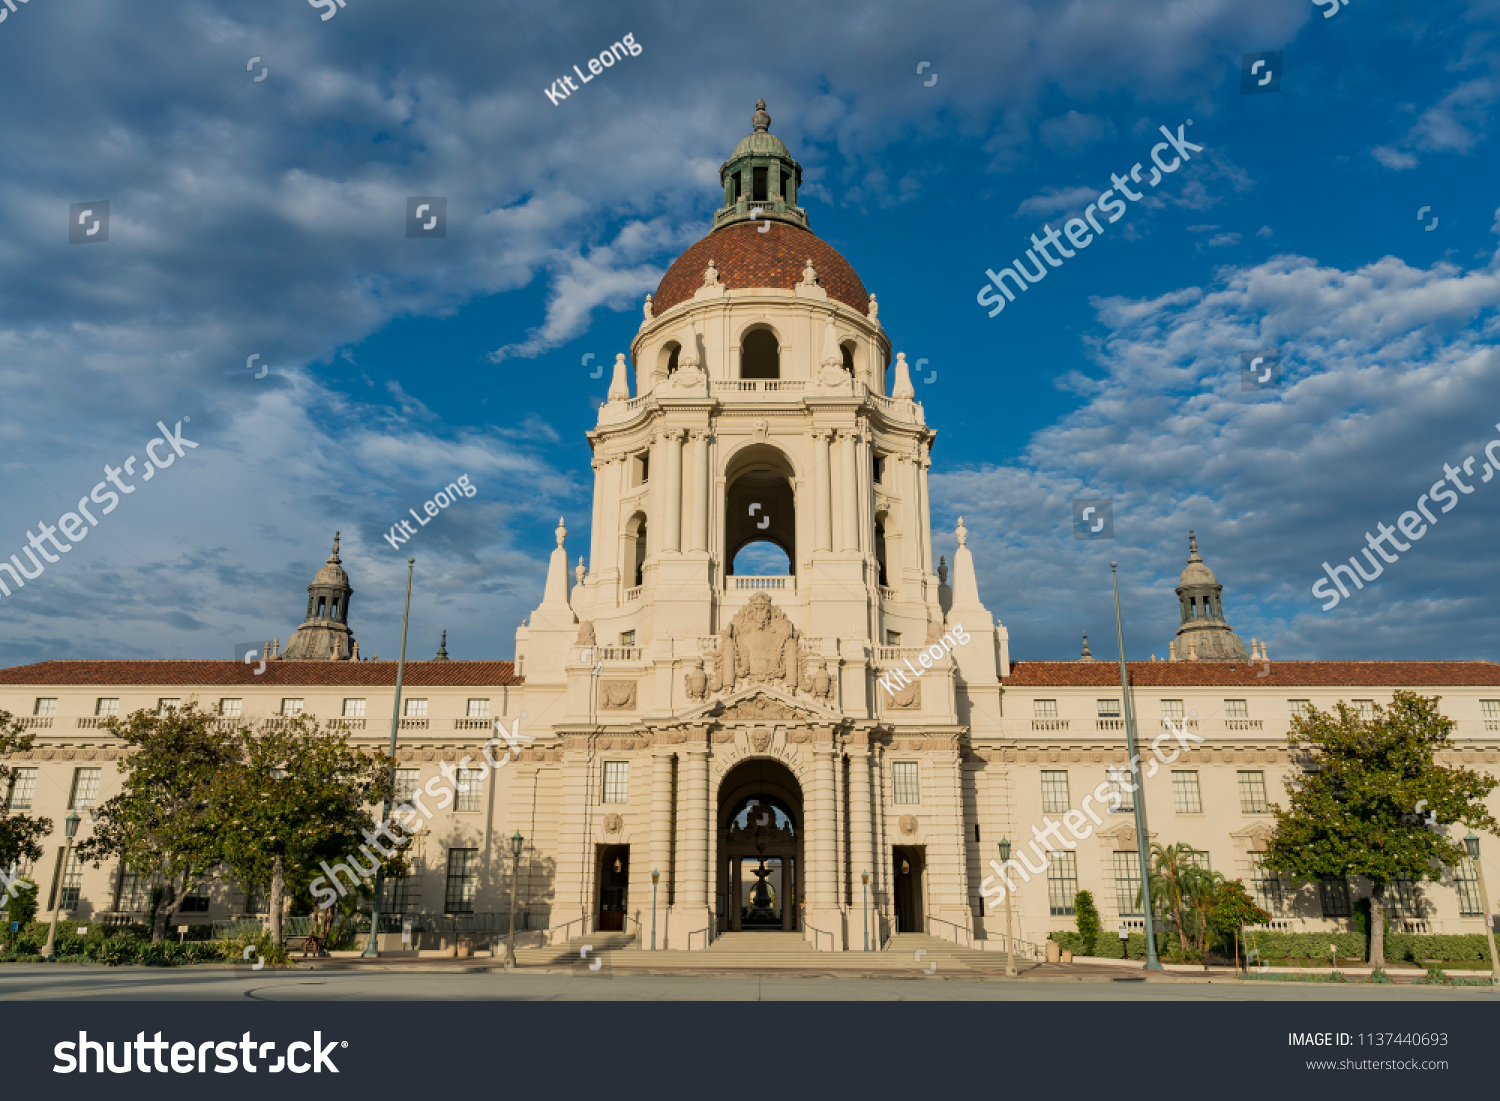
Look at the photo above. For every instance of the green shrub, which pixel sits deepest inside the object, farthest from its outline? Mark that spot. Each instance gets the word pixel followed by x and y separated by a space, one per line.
pixel 1379 976
pixel 1452 948
pixel 1070 942
pixel 1437 976
pixel 1086 914
pixel 1109 946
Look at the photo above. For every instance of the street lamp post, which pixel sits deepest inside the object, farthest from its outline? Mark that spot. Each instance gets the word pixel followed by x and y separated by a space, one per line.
pixel 655 877
pixel 372 948
pixel 1010 945
pixel 1138 783
pixel 70 825
pixel 1471 842
pixel 864 877
pixel 517 843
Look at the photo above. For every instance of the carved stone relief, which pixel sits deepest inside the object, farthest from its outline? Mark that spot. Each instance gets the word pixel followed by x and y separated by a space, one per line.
pixel 617 695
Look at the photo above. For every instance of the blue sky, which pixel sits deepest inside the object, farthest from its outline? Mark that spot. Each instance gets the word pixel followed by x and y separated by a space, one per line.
pixel 268 217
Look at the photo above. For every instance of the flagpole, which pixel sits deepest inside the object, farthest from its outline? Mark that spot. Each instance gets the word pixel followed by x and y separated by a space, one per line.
pixel 1139 800
pixel 372 949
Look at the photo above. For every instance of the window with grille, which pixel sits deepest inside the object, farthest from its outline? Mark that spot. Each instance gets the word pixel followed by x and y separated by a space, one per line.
pixel 1253 793
pixel 1266 886
pixel 1120 784
pixel 72 882
pixel 407 782
pixel 616 781
pixel 463 874
pixel 1405 898
pixel 479 709
pixel 1236 709
pixel 85 788
pixel 354 709
pixel 1109 709
pixel 416 709
pixel 1466 879
pixel 404 894
pixel 165 705
pixel 106 708
pixel 45 706
pixel 1198 858
pixel 1128 884
pixel 133 894
pixel 1333 895
pixel 1187 798
pixel 1300 707
pixel 470 789
pixel 1062 882
pixel 291 707
pixel 1365 709
pixel 1172 709
pixel 1491 709
pixel 1044 709
pixel 231 708
pixel 1055 792
pixel 22 789
pixel 627 638
pixel 908 783
pixel 892 638
pixel 195 901
pixel 257 900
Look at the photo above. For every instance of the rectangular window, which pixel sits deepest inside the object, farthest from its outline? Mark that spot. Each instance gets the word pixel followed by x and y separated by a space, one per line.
pixel 72 881
pixel 133 895
pixel 1197 858
pixel 908 782
pixel 758 182
pixel 616 781
pixel 1128 884
pixel 463 873
pixel 1187 798
pixel 22 789
pixel 1236 709
pixel 407 782
pixel 1120 784
pixel 195 901
pixel 1062 882
pixel 1491 709
pixel 1266 886
pixel 85 788
pixel 291 707
pixel 879 468
pixel 165 705
pixel 479 709
pixel 1466 879
pixel 1253 793
pixel 627 638
pixel 415 709
pixel 470 789
pixel 1300 707
pixel 1044 709
pixel 1055 793
pixel 404 891
pixel 1172 709
pixel 231 708
pixel 1365 709
pixel 892 638
pixel 257 900
pixel 45 705
pixel 106 708
pixel 354 709
pixel 1404 898
pixel 1109 709
pixel 1333 893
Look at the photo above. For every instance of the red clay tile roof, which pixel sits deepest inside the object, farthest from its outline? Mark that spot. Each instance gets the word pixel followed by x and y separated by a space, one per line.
pixel 747 258
pixel 1283 674
pixel 374 674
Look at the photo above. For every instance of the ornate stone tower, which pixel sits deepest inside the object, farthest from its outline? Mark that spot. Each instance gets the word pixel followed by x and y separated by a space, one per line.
pixel 1204 635
pixel 324 634
pixel 760 416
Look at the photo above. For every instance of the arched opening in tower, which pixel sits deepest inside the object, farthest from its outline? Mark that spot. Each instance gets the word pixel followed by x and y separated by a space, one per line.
pixel 760 508
pixel 760 355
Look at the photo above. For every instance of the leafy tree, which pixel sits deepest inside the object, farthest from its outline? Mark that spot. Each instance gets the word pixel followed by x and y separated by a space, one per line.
pixel 1202 895
pixel 1232 910
pixel 20 834
pixel 20 908
pixel 1357 813
pixel 1087 916
pixel 157 825
pixel 294 797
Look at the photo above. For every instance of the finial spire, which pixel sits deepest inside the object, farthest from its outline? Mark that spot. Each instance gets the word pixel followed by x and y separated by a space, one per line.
pixel 562 531
pixel 760 120
pixel 1193 555
pixel 962 532
pixel 1087 655
pixel 442 654
pixel 333 558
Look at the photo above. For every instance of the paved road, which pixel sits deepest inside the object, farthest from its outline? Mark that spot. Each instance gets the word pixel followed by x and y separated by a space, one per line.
pixel 22 982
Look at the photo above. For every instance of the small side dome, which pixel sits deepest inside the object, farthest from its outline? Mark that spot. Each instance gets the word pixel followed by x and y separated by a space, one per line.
pixel 1196 573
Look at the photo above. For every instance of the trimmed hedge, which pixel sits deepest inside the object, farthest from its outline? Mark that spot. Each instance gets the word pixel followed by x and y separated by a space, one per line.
pixel 1107 945
pixel 1305 946
pixel 1456 948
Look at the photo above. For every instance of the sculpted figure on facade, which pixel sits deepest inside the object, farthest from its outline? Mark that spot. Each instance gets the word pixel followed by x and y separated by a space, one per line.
pixel 758 647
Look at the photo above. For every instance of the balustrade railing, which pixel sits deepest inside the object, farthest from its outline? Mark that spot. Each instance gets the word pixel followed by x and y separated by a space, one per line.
pixel 1243 724
pixel 617 653
pixel 1109 724
pixel 471 724
pixel 346 724
pixel 634 594
pixel 414 724
pixel 35 722
pixel 743 584
pixel 1049 724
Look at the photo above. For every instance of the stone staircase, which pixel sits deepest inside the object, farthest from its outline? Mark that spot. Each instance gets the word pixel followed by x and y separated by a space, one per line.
pixel 563 955
pixel 946 954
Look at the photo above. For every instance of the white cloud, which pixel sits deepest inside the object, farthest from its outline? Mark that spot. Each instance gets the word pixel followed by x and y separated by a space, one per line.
pixel 1057 200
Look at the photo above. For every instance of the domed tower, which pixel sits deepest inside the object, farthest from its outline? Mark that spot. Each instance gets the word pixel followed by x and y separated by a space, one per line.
pixel 324 634
pixel 1204 634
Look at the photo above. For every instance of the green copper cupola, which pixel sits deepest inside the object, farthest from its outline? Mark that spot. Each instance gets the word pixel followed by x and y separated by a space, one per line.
pixel 760 179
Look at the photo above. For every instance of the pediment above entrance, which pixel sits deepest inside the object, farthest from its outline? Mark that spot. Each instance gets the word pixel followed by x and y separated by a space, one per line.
pixel 762 704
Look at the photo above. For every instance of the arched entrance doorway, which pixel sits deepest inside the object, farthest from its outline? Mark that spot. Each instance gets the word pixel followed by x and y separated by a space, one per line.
pixel 759 822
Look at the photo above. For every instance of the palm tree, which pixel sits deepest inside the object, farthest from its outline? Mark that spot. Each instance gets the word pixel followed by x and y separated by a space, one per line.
pixel 1202 893
pixel 1174 872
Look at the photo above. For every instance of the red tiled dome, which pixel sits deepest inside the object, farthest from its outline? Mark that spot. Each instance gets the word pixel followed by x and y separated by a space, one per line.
pixel 747 258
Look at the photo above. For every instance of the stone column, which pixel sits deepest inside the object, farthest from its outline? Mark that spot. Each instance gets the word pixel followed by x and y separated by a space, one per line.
pixel 850 490
pixel 786 894
pixel 672 535
pixel 661 841
pixel 822 870
pixel 693 888
pixel 822 505
pixel 736 866
pixel 596 529
pixel 861 832
pixel 698 539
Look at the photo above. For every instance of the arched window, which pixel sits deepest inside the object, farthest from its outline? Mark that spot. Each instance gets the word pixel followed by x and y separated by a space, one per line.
pixel 667 358
pixel 880 548
pixel 760 355
pixel 322 603
pixel 848 350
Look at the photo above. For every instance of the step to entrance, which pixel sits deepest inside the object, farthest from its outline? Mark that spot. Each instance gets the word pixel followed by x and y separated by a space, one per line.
pixel 760 943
